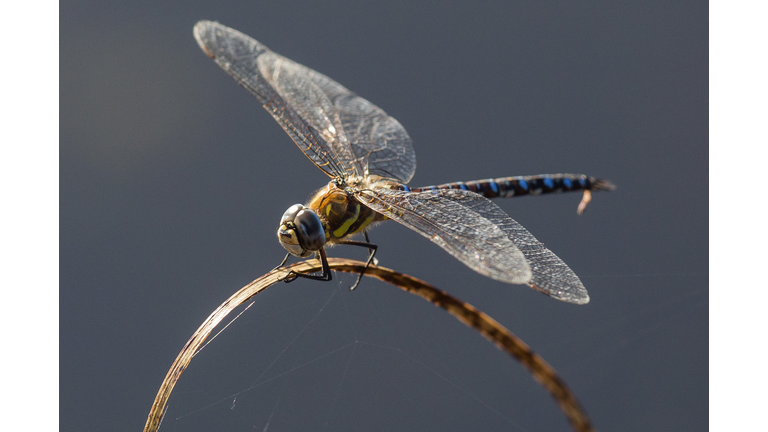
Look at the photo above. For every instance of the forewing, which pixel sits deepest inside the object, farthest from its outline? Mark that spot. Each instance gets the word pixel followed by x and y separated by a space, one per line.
pixel 286 91
pixel 296 85
pixel 482 236
pixel 454 220
pixel 379 142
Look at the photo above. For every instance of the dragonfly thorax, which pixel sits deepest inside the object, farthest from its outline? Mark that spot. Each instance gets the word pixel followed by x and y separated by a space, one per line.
pixel 341 214
pixel 301 232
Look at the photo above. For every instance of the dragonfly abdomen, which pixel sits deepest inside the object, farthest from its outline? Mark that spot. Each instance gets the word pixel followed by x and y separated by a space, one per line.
pixel 506 187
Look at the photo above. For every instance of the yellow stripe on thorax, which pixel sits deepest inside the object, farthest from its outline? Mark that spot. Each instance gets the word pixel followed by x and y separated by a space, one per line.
pixel 341 231
pixel 365 223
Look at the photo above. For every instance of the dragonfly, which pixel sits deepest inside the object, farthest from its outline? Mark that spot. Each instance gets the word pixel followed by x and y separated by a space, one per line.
pixel 370 159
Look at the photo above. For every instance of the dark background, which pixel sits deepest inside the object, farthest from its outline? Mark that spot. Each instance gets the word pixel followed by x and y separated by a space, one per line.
pixel 173 179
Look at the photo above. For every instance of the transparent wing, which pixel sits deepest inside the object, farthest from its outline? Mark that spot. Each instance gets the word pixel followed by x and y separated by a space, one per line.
pixel 455 221
pixel 479 234
pixel 294 83
pixel 342 133
pixel 550 274
pixel 286 92
pixel 379 142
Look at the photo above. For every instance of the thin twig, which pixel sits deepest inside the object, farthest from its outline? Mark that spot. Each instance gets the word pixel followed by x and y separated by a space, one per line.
pixel 464 312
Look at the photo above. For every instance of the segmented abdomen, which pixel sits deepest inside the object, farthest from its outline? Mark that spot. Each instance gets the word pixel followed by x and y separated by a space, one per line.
pixel 507 187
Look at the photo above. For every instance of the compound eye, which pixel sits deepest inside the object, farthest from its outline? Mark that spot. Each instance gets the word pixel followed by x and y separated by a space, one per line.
pixel 309 229
pixel 301 232
pixel 290 214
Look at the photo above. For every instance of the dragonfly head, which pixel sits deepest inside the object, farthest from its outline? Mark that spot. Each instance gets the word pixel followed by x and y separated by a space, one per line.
pixel 301 232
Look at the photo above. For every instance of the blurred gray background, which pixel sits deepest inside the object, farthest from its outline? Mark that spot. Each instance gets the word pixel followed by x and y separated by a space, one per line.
pixel 173 180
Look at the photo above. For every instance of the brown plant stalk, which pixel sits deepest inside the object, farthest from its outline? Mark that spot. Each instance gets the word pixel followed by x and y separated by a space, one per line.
pixel 464 312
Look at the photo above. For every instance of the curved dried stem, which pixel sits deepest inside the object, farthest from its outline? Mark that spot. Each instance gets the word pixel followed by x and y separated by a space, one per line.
pixel 464 312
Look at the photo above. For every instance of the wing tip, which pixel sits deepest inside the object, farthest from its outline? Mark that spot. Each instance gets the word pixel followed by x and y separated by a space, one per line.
pixel 203 32
pixel 580 297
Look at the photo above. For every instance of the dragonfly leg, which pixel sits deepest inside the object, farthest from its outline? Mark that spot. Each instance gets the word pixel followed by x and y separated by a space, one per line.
pixel 325 276
pixel 371 253
pixel 292 275
pixel 285 260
